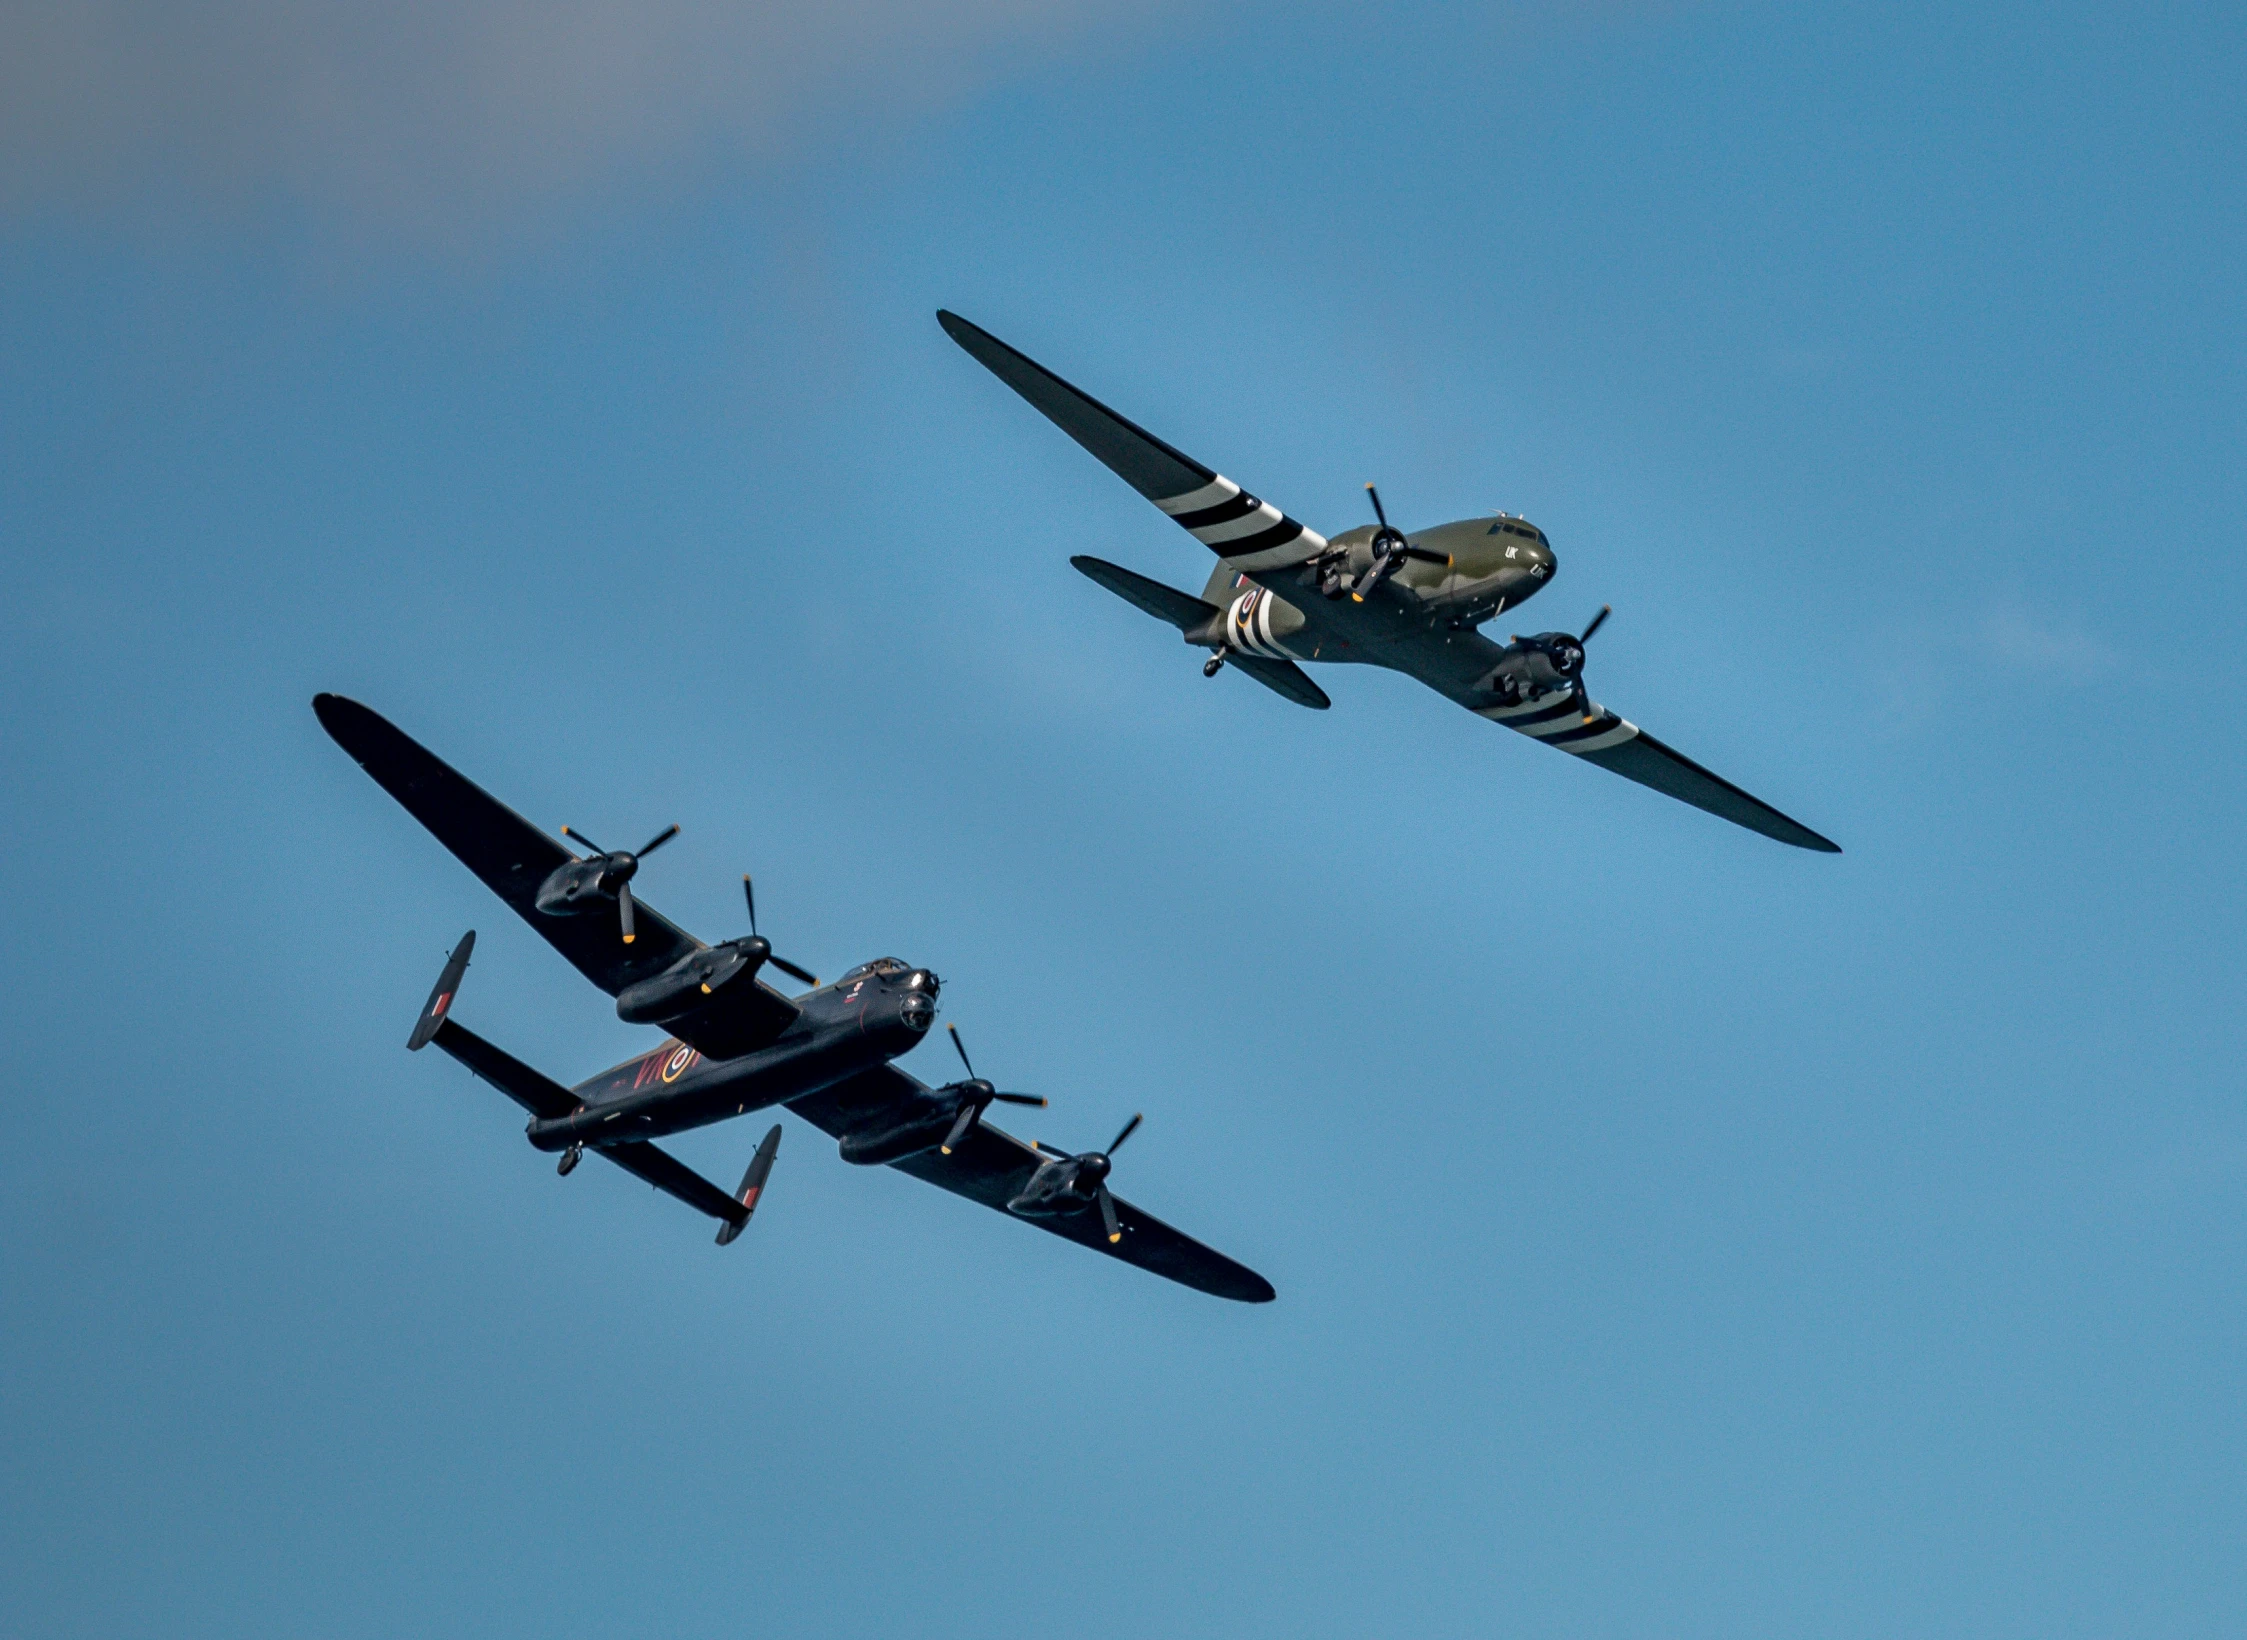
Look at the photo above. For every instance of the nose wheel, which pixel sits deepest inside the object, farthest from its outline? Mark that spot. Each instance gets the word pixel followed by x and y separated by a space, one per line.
pixel 570 1158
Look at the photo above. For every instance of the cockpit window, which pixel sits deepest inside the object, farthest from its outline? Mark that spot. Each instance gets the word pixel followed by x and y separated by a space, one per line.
pixel 880 968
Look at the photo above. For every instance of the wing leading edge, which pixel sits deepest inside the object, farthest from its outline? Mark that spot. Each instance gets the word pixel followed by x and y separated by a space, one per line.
pixel 1237 526
pixel 512 857
pixel 1618 744
pixel 991 1167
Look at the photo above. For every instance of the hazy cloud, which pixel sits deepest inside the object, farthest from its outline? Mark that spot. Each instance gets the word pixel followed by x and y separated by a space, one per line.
pixel 426 114
pixel 1921 666
pixel 2047 645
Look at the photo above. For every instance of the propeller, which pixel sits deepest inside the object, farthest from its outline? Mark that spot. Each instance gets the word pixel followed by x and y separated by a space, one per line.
pixel 1091 1168
pixel 1390 550
pixel 1094 1165
pixel 618 867
pixel 1565 652
pixel 1581 695
pixel 978 1096
pixel 749 893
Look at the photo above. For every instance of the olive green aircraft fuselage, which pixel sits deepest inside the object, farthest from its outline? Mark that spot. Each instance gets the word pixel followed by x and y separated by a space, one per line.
pixel 1282 594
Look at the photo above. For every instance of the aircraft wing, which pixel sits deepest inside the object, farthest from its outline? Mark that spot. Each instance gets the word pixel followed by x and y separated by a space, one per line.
pixel 512 857
pixel 1616 743
pixel 1237 526
pixel 991 1167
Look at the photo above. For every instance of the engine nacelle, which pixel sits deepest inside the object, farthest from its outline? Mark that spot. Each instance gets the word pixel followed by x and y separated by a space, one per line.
pixel 691 981
pixel 575 887
pixel 1529 668
pixel 893 1144
pixel 920 1123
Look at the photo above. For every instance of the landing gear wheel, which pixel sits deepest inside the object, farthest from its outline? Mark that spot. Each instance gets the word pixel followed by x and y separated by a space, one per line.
pixel 569 1161
pixel 1210 666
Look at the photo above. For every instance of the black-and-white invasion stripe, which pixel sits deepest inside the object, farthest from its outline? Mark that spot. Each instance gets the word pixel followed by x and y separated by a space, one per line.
pixel 1555 721
pixel 1248 626
pixel 1241 529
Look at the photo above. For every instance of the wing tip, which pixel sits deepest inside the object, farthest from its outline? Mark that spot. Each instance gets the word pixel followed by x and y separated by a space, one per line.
pixel 345 719
pixel 1802 837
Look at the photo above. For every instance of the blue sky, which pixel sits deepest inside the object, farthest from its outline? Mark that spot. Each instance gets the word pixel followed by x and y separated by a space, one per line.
pixel 1675 1234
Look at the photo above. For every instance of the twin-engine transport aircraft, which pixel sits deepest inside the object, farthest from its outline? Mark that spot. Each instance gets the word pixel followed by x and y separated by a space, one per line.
pixel 737 1045
pixel 1283 593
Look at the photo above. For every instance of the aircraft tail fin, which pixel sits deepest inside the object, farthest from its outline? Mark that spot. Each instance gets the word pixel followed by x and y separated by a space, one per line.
pixel 441 999
pixel 752 1186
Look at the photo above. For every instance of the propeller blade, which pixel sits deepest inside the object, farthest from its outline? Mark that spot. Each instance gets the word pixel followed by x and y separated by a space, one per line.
pixel 961 1047
pixel 1377 512
pixel 749 893
pixel 1129 1128
pixel 789 968
pixel 1584 701
pixel 1019 1099
pixel 1605 610
pixel 587 841
pixel 624 910
pixel 1427 557
pixel 657 841
pixel 969 1113
pixel 1108 1202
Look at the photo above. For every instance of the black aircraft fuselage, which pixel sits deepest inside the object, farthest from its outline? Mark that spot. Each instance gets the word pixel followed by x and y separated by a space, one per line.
pixel 872 1015
pixel 734 1044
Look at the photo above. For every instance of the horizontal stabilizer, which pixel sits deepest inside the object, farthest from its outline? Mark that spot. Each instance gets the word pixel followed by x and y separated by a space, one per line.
pixel 1282 678
pixel 542 1097
pixel 674 1178
pixel 1181 609
pixel 1190 614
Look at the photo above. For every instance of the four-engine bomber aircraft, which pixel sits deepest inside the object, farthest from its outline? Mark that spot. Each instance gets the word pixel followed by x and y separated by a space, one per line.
pixel 738 1045
pixel 1283 593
